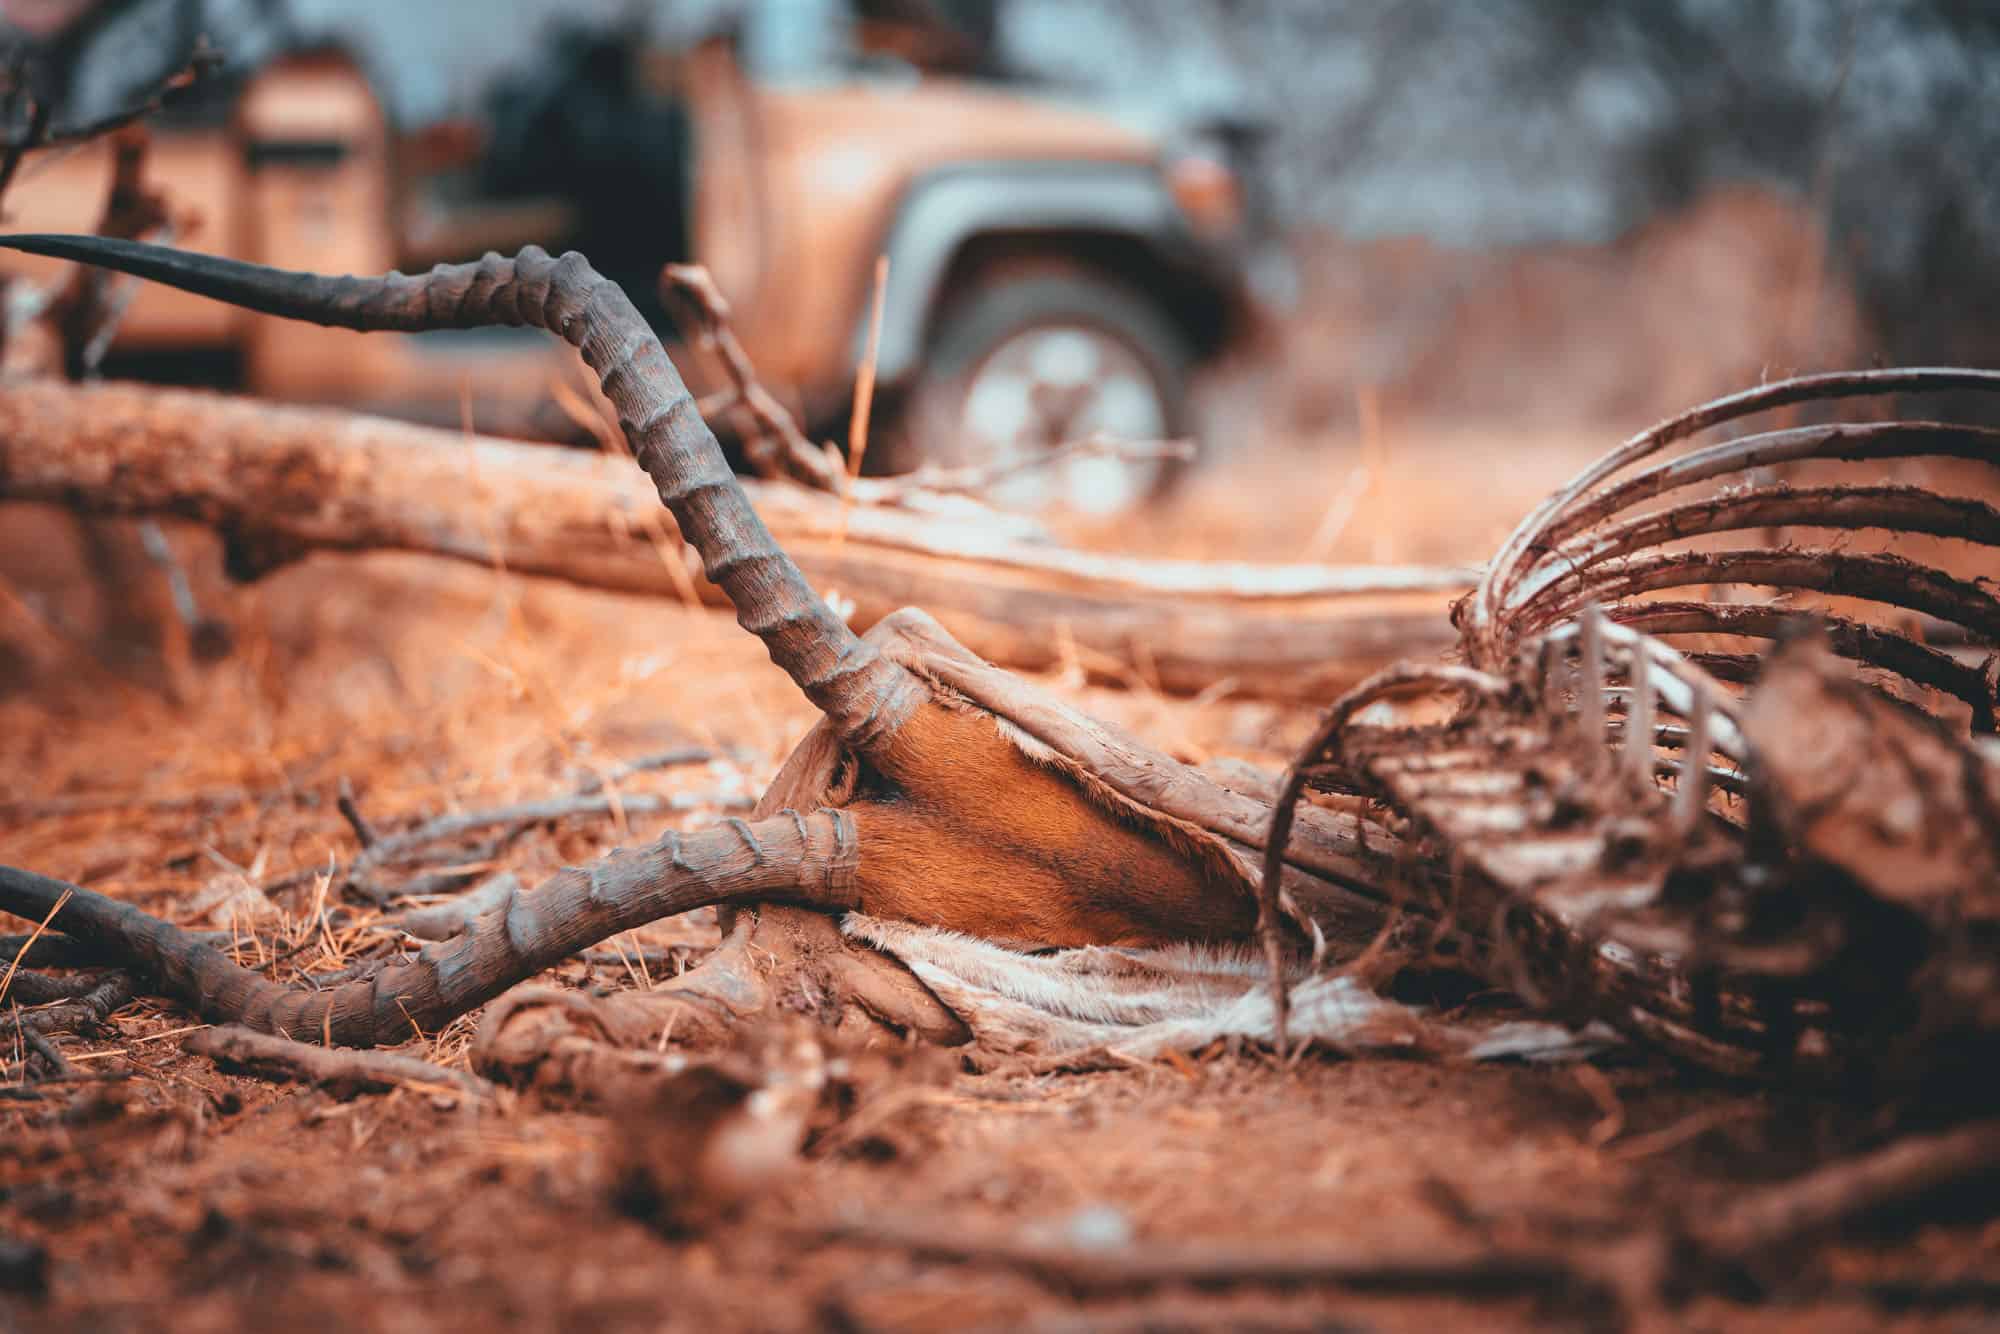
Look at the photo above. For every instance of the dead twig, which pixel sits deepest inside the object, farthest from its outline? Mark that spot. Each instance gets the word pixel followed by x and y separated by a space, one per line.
pixel 1608 1276
pixel 1087 1270
pixel 467 866
pixel 86 1011
pixel 672 958
pixel 1761 1222
pixel 671 758
pixel 40 1088
pixel 776 447
pixel 14 965
pixel 37 135
pixel 340 1071
pixel 388 850
pixel 350 811
pixel 978 477
pixel 38 989
pixel 38 1043
pixel 864 399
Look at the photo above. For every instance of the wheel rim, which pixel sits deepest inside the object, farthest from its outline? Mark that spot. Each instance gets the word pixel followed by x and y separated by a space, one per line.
pixel 1054 383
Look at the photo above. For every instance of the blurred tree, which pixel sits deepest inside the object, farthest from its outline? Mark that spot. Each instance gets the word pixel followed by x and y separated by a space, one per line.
pixel 1522 121
pixel 1489 124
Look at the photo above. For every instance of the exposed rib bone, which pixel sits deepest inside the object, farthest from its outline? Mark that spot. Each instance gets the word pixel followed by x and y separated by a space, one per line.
pixel 1867 442
pixel 1691 796
pixel 1483 615
pixel 1905 509
pixel 1673 676
pixel 1638 723
pixel 1892 580
pixel 1323 748
pixel 1870 644
pixel 1590 702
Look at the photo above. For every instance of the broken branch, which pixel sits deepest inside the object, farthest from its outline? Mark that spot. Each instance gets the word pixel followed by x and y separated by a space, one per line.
pixel 396 847
pixel 86 1011
pixel 1818 1202
pixel 297 479
pixel 1094 1270
pixel 204 62
pixel 342 1072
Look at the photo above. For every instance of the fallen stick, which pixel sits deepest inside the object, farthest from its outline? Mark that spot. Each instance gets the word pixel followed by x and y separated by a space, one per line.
pixel 671 758
pixel 973 479
pixel 1085 1270
pixel 37 989
pixel 283 481
pixel 343 1072
pixel 386 851
pixel 467 866
pixel 86 1011
pixel 672 957
pixel 448 918
pixel 39 1045
pixel 1641 1268
pixel 350 811
pixel 33 1092
pixel 1762 1222
pixel 89 803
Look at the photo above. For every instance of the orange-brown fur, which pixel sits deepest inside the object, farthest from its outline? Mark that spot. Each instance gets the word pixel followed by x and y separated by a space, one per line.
pixel 959 828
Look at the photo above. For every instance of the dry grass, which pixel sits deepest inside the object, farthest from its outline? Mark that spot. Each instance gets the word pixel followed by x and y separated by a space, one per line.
pixel 184 1198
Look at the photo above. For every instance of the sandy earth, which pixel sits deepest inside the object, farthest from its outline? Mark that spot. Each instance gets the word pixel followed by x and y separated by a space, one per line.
pixel 169 1195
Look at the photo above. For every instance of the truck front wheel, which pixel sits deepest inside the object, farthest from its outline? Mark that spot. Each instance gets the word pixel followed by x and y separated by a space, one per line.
pixel 1023 361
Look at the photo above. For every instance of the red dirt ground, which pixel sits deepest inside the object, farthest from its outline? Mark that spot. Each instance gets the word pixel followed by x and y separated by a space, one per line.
pixel 176 1197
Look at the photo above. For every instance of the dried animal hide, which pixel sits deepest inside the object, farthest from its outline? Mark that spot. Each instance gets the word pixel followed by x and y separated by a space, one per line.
pixel 1099 1005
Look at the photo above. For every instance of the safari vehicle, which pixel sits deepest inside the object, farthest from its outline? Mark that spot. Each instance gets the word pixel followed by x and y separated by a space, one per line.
pixel 1052 272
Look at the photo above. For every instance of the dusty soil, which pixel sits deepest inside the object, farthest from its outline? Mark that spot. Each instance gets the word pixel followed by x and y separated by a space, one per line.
pixel 168 1195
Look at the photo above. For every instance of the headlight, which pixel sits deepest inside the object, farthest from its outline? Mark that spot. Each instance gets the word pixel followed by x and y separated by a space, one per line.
pixel 1208 192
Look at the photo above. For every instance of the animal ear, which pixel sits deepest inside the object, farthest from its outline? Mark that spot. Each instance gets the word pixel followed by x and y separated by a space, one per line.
pixel 865 696
pixel 810 774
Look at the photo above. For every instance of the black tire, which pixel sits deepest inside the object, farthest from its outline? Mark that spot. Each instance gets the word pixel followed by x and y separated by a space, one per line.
pixel 1002 305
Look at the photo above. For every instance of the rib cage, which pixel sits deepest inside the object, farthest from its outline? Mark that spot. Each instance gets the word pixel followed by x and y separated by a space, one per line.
pixel 1597 826
pixel 1605 541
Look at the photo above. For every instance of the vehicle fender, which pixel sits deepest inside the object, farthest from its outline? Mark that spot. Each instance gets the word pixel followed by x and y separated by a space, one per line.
pixel 947 207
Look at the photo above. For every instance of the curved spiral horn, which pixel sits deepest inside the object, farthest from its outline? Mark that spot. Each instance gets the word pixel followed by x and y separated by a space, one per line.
pixel 864 694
